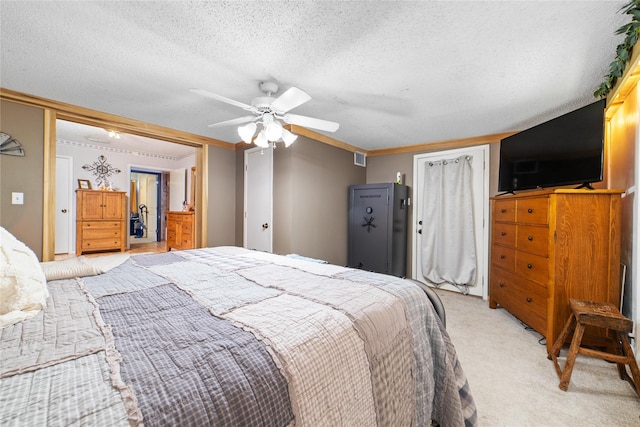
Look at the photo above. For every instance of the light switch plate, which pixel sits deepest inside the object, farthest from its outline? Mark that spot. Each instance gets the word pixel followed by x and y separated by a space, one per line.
pixel 17 198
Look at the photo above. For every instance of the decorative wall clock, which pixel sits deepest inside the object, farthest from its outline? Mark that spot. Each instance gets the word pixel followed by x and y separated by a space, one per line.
pixel 101 170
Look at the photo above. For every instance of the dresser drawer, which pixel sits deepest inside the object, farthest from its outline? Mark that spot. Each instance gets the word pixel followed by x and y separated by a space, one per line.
pixel 503 257
pixel 88 225
pixel 186 242
pixel 533 267
pixel 533 210
pixel 101 244
pixel 504 234
pixel 504 210
pixel 187 228
pixel 525 300
pixel 101 233
pixel 533 239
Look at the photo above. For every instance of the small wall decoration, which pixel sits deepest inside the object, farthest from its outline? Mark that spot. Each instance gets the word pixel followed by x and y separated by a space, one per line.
pixel 10 146
pixel 102 171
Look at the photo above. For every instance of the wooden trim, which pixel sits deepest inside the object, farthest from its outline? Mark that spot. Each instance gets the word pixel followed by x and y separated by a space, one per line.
pixel 202 198
pixel 299 130
pixel 49 187
pixel 54 110
pixel 624 86
pixel 121 124
pixel 442 145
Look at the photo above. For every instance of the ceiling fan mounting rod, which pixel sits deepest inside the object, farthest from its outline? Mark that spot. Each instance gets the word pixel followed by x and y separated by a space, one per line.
pixel 268 87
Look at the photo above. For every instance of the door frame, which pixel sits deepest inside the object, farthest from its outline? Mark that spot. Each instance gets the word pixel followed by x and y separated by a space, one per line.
pixel 483 259
pixel 245 191
pixel 160 208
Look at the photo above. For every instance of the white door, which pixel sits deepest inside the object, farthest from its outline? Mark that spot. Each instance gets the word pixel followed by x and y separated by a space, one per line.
pixel 258 199
pixel 177 189
pixel 480 183
pixel 64 209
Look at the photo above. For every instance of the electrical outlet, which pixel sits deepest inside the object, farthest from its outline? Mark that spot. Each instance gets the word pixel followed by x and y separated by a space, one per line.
pixel 17 198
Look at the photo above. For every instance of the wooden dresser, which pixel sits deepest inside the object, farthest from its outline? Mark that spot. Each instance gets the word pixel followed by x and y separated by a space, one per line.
pixel 180 230
pixel 100 220
pixel 552 245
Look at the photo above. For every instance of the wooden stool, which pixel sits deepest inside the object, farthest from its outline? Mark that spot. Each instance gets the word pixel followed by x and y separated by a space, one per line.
pixel 604 315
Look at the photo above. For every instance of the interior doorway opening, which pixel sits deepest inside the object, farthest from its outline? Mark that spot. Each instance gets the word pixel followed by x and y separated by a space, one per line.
pixel 146 207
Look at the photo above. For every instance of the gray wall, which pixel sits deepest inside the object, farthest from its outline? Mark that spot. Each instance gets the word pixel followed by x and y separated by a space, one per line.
pixel 310 199
pixel 23 174
pixel 318 184
pixel 221 219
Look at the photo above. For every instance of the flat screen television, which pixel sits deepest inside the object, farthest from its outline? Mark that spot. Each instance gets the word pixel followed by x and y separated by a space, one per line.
pixel 562 151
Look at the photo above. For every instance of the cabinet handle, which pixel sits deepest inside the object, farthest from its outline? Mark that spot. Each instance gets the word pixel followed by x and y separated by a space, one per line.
pixel 503 233
pixel 501 284
pixel 529 266
pixel 530 210
pixel 528 299
pixel 502 257
pixel 530 238
pixel 503 211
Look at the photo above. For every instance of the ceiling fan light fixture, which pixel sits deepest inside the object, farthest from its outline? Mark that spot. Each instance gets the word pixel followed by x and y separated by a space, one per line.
pixel 247 131
pixel 261 140
pixel 288 138
pixel 273 131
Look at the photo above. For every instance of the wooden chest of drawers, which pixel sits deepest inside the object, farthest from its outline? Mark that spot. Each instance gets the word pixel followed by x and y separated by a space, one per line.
pixel 100 221
pixel 180 230
pixel 552 245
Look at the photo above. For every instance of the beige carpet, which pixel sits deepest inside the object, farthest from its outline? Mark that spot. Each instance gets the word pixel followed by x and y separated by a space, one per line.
pixel 513 382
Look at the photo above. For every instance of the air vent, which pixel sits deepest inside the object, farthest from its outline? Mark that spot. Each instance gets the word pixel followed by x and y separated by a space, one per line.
pixel 359 159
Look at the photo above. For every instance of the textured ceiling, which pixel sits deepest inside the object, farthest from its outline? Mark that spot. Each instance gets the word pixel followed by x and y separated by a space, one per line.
pixel 391 73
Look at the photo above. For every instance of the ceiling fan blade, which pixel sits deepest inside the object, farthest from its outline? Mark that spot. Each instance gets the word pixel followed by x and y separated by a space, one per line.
pixel 238 121
pixel 224 99
pixel 310 122
pixel 289 100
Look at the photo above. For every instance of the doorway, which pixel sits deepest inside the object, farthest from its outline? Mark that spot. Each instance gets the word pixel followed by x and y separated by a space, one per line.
pixel 145 207
pixel 258 199
pixel 479 190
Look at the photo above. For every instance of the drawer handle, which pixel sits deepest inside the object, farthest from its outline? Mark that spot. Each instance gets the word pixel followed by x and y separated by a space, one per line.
pixel 501 284
pixel 503 211
pixel 503 233
pixel 530 210
pixel 528 299
pixel 529 266
pixel 530 238
pixel 502 257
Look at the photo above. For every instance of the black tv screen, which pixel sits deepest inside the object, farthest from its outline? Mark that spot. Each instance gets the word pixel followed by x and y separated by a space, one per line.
pixel 562 151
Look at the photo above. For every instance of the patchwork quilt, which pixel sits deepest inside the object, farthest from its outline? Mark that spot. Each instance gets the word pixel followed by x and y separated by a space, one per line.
pixel 231 337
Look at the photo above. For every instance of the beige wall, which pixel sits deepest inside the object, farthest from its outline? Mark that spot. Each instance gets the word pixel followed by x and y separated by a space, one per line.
pixel 23 174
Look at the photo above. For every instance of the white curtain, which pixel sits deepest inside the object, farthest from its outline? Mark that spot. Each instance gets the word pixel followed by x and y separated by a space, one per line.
pixel 448 238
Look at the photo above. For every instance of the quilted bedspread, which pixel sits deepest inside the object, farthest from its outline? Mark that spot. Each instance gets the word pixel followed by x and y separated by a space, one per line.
pixel 231 337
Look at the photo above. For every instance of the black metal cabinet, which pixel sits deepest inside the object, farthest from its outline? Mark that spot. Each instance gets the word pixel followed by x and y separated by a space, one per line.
pixel 378 228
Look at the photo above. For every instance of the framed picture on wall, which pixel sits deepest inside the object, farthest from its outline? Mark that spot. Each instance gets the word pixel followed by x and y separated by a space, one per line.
pixel 84 184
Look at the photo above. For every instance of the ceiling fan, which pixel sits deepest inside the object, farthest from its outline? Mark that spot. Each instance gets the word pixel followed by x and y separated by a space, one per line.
pixel 268 111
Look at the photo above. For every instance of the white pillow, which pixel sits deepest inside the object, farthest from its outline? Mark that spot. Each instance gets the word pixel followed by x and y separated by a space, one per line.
pixel 23 287
pixel 68 268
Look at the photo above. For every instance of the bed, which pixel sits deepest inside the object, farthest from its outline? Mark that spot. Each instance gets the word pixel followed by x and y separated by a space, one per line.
pixel 226 336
